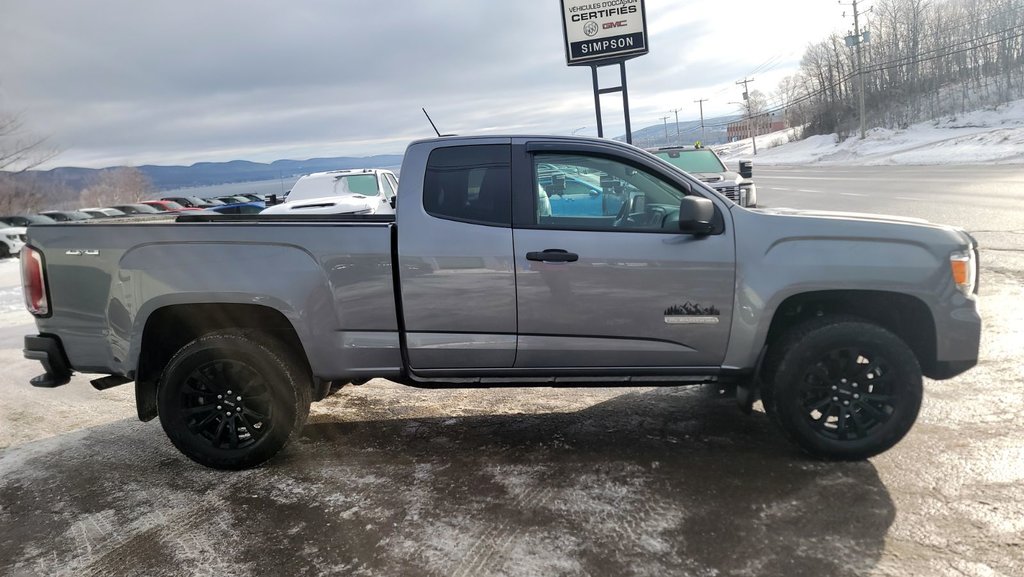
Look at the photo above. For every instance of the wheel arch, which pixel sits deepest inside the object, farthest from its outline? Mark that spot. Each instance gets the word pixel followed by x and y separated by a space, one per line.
pixel 171 327
pixel 906 316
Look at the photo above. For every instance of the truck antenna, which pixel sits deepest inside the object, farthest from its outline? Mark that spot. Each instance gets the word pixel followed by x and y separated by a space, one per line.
pixel 432 125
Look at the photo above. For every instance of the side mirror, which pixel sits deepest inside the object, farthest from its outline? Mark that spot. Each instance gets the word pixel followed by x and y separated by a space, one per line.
pixel 747 168
pixel 393 200
pixel 696 215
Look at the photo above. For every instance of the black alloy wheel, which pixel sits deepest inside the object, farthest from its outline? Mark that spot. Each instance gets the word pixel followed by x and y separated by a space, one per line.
pixel 842 387
pixel 232 400
pixel 848 393
pixel 227 403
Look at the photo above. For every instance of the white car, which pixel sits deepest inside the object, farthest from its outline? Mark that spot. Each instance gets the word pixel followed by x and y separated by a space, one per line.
pixel 12 238
pixel 357 191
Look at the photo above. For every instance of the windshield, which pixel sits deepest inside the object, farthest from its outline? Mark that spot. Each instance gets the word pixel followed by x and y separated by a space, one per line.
pixel 357 184
pixel 692 160
pixel 170 204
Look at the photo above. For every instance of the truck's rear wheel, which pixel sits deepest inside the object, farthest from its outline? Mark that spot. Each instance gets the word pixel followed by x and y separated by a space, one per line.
pixel 843 388
pixel 230 400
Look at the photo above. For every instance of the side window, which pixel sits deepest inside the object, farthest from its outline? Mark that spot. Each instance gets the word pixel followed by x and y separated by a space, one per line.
pixel 386 187
pixel 585 193
pixel 394 182
pixel 470 183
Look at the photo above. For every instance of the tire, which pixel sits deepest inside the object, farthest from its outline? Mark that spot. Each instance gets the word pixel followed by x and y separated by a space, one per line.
pixel 843 388
pixel 199 392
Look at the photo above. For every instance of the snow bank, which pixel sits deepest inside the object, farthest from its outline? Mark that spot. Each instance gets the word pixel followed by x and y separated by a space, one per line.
pixel 987 136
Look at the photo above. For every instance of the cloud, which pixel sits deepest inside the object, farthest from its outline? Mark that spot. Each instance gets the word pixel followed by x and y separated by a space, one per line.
pixel 117 81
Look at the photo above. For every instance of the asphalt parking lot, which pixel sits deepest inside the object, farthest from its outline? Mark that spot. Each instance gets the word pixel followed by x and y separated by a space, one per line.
pixel 388 480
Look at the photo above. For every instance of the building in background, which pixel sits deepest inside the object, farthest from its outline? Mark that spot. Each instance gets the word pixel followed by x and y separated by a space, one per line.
pixel 762 124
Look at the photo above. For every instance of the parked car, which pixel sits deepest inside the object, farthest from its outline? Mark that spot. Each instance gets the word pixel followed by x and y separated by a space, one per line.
pixel 103 212
pixel 833 318
pixel 705 164
pixel 357 191
pixel 234 199
pixel 26 220
pixel 190 201
pixel 12 238
pixel 237 208
pixel 168 206
pixel 573 193
pixel 137 209
pixel 66 215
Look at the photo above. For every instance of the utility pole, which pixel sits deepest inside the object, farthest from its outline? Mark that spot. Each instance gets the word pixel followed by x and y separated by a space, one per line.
pixel 856 39
pixel 676 111
pixel 701 102
pixel 746 99
pixel 665 120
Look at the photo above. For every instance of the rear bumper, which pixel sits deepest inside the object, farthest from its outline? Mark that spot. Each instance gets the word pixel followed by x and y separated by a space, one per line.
pixel 48 350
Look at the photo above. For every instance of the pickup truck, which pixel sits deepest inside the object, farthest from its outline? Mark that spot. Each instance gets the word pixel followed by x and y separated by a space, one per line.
pixel 230 326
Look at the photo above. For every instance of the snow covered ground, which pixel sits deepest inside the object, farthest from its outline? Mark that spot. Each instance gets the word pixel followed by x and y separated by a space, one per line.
pixel 993 135
pixel 12 305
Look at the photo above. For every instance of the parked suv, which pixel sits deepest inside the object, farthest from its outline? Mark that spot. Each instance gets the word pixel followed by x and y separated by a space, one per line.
pixel 11 241
pixel 354 191
pixel 704 164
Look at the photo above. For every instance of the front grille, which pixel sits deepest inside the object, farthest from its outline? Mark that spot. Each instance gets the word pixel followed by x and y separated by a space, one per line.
pixel 731 192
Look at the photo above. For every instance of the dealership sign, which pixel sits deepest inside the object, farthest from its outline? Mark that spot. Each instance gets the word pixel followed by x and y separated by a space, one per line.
pixel 603 31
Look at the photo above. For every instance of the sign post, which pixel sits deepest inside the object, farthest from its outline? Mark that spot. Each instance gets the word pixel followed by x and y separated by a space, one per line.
pixel 602 33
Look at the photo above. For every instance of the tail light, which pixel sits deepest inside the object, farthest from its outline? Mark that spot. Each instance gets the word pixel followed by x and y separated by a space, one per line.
pixel 33 281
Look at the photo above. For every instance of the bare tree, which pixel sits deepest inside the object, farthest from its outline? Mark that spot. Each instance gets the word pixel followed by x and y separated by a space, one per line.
pixel 117 186
pixel 20 151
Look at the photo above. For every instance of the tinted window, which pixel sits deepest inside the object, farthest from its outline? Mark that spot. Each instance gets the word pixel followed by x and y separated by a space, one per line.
pixel 583 192
pixel 692 160
pixel 470 183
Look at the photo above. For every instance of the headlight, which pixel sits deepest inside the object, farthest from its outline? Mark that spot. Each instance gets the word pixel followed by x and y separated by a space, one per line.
pixel 964 271
pixel 12 237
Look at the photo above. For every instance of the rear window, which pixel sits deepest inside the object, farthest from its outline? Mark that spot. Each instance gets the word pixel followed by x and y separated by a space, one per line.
pixel 692 160
pixel 470 183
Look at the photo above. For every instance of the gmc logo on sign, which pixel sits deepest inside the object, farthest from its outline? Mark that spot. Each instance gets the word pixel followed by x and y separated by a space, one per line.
pixel 618 24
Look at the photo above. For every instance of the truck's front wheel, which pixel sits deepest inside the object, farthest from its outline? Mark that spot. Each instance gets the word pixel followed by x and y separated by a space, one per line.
pixel 231 400
pixel 843 388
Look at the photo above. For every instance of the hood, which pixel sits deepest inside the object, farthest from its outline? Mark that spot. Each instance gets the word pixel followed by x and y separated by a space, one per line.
pixel 346 204
pixel 907 223
pixel 718 178
pixel 846 215
pixel 18 230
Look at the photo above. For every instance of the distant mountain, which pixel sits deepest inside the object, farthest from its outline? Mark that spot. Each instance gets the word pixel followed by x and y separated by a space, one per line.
pixel 688 133
pixel 211 173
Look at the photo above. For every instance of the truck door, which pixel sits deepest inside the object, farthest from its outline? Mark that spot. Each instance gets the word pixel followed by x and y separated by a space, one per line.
pixel 604 278
pixel 455 256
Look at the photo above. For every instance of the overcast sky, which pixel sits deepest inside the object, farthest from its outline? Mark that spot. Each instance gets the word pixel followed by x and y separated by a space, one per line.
pixel 175 82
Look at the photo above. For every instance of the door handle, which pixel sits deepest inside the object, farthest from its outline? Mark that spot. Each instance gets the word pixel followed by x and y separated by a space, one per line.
pixel 553 255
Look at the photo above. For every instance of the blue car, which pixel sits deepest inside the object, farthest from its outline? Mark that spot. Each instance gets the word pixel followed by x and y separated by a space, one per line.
pixel 575 195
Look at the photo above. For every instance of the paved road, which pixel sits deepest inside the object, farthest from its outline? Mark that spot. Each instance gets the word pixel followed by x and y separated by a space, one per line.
pixel 394 481
pixel 977 198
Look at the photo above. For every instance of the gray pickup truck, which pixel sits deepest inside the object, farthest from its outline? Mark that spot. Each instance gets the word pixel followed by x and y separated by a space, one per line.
pixel 230 326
